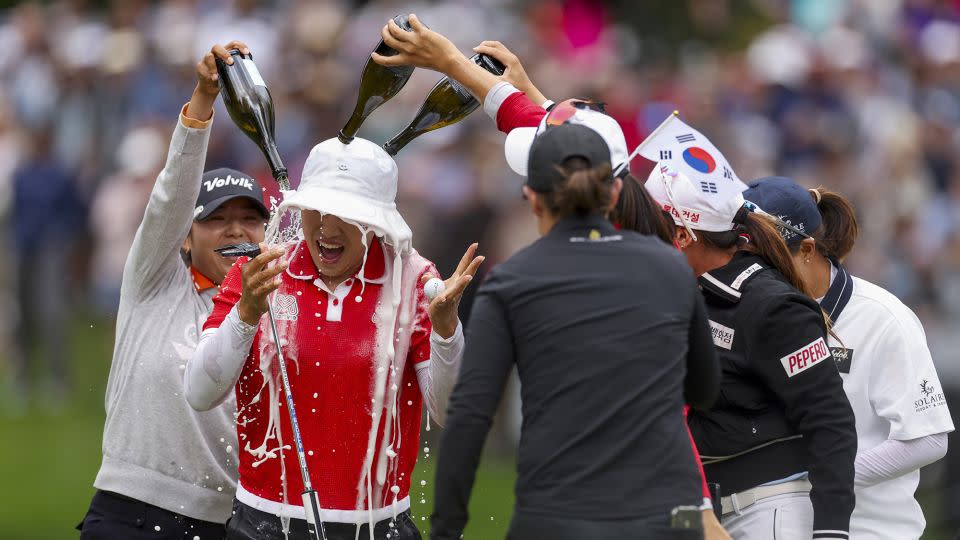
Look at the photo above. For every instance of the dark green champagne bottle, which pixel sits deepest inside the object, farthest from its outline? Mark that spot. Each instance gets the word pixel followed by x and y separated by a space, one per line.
pixel 448 103
pixel 250 105
pixel 377 85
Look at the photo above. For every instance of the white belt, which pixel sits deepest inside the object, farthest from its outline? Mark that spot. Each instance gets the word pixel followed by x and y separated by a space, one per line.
pixel 747 498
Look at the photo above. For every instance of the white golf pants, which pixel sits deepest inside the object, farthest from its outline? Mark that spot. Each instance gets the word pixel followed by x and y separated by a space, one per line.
pixel 781 517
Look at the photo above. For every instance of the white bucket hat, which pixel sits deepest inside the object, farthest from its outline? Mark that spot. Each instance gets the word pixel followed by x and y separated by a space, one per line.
pixel 690 206
pixel 517 146
pixel 356 182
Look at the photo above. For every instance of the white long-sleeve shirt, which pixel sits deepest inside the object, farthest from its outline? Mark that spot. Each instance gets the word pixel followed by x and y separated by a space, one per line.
pixel 218 360
pixel 357 398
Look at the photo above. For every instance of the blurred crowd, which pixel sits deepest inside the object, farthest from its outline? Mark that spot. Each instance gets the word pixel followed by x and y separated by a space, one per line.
pixel 857 95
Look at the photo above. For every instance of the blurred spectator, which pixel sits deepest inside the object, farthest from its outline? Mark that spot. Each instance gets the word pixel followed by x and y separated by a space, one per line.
pixel 47 216
pixel 117 210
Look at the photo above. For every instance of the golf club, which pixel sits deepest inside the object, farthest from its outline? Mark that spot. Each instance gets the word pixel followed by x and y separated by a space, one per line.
pixel 311 503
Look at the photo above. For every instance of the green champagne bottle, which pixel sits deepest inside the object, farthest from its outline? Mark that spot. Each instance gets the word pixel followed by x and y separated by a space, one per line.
pixel 448 103
pixel 248 100
pixel 377 85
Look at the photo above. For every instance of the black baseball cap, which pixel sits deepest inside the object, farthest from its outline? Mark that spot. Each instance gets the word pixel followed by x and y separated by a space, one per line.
pixel 221 185
pixel 557 144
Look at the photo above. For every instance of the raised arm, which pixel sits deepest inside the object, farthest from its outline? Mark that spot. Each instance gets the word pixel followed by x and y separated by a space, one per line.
pixel 437 377
pixel 155 253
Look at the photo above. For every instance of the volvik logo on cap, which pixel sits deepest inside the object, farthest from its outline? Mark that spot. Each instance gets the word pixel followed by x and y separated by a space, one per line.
pixel 230 180
pixel 222 185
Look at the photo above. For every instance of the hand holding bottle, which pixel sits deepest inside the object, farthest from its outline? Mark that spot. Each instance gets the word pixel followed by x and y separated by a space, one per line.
pixel 423 47
pixel 208 86
pixel 420 47
pixel 513 72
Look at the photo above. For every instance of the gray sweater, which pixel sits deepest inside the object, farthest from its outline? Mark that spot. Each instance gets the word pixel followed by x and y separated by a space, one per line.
pixel 156 448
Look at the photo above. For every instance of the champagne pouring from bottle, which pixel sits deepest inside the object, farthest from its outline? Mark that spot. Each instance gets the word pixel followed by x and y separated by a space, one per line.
pixel 378 84
pixel 248 100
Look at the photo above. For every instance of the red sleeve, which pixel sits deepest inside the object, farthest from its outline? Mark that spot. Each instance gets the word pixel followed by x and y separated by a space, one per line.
pixel 227 296
pixel 420 338
pixel 696 454
pixel 518 111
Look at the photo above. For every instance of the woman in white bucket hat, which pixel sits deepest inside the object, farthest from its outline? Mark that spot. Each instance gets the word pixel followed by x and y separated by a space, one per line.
pixel 366 349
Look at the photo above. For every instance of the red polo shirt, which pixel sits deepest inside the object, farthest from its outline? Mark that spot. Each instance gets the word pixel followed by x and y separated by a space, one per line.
pixel 329 339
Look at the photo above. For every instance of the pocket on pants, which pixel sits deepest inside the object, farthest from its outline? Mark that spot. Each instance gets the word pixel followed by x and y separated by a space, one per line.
pixel 793 519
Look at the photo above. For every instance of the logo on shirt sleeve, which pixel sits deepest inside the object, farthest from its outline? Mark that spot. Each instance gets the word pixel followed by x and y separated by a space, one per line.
pixel 928 397
pixel 844 358
pixel 753 269
pixel 805 357
pixel 722 335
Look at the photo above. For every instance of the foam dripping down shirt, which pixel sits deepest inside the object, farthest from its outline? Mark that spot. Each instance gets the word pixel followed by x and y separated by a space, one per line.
pixel 331 346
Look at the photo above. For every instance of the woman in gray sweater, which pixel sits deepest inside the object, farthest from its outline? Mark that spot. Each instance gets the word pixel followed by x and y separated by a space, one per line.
pixel 168 470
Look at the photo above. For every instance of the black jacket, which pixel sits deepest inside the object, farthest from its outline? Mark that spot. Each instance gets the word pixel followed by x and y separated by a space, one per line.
pixel 782 409
pixel 609 336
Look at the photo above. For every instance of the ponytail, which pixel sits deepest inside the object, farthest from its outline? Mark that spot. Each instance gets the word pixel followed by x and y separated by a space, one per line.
pixel 637 211
pixel 839 230
pixel 758 234
pixel 586 190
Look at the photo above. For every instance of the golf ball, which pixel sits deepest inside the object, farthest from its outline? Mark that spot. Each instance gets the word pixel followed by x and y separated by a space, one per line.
pixel 434 288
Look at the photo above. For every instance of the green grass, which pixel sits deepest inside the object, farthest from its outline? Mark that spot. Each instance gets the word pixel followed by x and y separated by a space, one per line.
pixel 49 461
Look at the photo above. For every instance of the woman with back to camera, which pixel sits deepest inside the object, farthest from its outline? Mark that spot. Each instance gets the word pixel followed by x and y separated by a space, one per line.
pixel 881 352
pixel 584 313
pixel 781 439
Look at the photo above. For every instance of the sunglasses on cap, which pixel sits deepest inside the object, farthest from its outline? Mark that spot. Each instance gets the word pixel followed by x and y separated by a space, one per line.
pixel 561 113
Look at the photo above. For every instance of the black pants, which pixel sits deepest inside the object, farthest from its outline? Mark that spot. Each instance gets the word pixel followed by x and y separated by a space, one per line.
pixel 251 524
pixel 112 517
pixel 538 527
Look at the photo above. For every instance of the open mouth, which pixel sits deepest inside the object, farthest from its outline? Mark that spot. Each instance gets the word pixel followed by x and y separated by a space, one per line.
pixel 329 253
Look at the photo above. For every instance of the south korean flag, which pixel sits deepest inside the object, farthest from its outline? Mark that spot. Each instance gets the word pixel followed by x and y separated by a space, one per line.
pixel 686 150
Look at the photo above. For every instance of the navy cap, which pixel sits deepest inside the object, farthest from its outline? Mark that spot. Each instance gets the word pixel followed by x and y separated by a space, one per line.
pixel 221 185
pixel 558 144
pixel 790 202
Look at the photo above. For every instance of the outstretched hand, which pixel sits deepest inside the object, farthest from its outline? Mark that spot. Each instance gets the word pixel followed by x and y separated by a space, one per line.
pixel 420 47
pixel 443 308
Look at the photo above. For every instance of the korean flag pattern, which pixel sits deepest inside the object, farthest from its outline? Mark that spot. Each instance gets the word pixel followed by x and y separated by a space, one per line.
pixel 686 150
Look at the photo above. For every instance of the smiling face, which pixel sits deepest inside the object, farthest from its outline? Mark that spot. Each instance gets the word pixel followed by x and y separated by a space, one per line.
pixel 235 221
pixel 336 246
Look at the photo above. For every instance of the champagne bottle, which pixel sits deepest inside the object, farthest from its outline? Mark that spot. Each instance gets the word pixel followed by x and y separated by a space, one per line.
pixel 448 103
pixel 250 105
pixel 377 85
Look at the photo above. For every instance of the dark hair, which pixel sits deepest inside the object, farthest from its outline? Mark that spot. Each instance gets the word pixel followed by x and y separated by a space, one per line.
pixel 839 230
pixel 637 211
pixel 585 191
pixel 759 234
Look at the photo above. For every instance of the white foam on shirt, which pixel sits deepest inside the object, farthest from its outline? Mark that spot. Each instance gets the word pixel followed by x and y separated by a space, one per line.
pixel 389 360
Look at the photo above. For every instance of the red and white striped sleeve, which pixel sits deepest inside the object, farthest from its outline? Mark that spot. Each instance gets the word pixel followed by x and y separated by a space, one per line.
pixel 511 108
